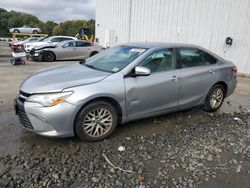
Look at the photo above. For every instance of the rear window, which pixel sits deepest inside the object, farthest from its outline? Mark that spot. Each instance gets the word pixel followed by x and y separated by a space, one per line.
pixel 192 57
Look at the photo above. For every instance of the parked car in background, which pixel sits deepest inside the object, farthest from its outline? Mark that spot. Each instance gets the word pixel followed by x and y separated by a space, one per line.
pixel 25 29
pixel 123 83
pixel 66 50
pixel 22 42
pixel 32 39
pixel 53 40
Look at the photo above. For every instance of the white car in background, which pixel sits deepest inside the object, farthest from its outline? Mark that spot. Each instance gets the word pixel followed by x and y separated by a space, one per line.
pixel 53 40
pixel 25 29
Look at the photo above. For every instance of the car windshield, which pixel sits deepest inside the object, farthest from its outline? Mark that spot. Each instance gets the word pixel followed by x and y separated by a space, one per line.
pixel 42 39
pixel 114 59
pixel 47 39
pixel 33 39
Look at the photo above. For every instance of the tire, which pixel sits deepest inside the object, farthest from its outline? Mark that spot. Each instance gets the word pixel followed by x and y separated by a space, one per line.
pixel 48 56
pixel 16 31
pixel 87 121
pixel 35 32
pixel 215 98
pixel 93 53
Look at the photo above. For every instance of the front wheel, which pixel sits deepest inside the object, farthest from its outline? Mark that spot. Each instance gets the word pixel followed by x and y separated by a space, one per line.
pixel 48 56
pixel 96 121
pixel 214 98
pixel 35 32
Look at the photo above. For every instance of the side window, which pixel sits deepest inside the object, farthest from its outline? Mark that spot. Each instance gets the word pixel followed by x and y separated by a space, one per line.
pixel 64 39
pixel 158 61
pixel 83 44
pixel 71 44
pixel 209 60
pixel 191 57
pixel 55 40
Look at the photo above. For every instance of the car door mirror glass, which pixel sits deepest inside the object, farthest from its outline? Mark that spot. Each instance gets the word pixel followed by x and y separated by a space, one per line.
pixel 142 71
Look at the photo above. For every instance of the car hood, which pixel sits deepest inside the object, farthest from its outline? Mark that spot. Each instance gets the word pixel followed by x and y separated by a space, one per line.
pixel 39 44
pixel 44 47
pixel 61 77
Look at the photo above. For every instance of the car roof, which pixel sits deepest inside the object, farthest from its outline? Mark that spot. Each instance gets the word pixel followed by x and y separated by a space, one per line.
pixel 62 36
pixel 153 45
pixel 159 44
pixel 74 41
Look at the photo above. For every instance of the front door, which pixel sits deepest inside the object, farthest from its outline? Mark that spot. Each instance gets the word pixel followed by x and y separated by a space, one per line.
pixel 156 93
pixel 83 49
pixel 68 51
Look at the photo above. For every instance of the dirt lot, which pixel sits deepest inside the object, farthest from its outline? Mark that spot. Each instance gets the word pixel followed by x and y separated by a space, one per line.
pixel 185 149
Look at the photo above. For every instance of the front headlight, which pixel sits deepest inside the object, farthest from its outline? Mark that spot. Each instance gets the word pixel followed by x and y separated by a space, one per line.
pixel 50 99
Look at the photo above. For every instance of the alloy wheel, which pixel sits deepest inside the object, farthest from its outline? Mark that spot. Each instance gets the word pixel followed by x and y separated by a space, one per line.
pixel 97 122
pixel 216 98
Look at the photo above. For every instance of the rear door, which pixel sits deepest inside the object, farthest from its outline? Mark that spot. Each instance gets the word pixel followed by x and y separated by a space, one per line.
pixel 198 75
pixel 83 49
pixel 156 93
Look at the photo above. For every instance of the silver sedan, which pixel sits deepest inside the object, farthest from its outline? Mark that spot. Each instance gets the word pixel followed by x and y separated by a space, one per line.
pixel 25 29
pixel 66 50
pixel 121 84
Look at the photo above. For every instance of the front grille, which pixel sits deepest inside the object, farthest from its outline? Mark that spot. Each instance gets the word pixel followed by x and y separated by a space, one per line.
pixel 24 119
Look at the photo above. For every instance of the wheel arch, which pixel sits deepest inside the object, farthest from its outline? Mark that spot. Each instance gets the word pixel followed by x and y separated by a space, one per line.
pixel 94 52
pixel 16 29
pixel 110 100
pixel 224 84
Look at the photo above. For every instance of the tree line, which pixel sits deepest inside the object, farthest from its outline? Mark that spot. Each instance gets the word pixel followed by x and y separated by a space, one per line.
pixel 11 19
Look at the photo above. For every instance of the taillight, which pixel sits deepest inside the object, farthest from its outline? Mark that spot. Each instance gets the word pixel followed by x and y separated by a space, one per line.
pixel 234 69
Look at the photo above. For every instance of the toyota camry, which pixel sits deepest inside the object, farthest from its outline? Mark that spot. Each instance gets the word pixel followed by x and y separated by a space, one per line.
pixel 124 83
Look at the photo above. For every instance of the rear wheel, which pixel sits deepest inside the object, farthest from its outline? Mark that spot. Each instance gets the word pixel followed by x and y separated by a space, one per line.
pixel 48 56
pixel 214 98
pixel 96 121
pixel 35 32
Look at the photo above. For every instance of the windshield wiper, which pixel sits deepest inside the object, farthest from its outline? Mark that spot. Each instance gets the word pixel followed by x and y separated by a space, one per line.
pixel 83 62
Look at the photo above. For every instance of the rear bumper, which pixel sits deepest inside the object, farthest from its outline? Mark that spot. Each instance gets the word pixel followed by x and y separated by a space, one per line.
pixel 56 121
pixel 231 86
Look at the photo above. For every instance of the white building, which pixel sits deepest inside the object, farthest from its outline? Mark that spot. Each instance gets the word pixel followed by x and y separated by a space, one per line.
pixel 203 22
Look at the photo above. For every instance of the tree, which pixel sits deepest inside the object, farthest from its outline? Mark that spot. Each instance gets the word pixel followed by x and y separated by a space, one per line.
pixel 10 19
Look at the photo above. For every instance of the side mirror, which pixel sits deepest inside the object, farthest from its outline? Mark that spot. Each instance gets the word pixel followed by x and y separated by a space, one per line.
pixel 142 71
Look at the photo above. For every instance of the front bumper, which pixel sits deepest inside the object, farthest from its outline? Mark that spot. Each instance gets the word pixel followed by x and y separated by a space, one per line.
pixel 38 57
pixel 55 121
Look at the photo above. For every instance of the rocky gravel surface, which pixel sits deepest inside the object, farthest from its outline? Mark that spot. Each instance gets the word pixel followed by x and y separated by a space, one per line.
pixel 214 149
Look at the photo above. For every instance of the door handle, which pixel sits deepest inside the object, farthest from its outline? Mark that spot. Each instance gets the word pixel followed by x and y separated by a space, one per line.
pixel 175 78
pixel 212 71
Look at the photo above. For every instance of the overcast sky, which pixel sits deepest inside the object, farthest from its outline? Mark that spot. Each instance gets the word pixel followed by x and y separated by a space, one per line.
pixel 54 10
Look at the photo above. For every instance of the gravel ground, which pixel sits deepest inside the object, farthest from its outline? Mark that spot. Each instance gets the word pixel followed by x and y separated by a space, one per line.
pixel 185 149
pixel 189 155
